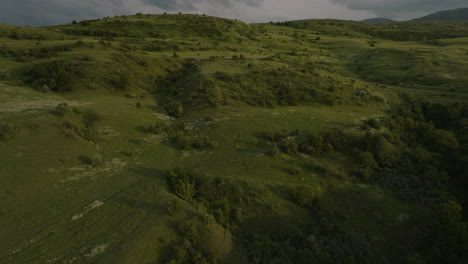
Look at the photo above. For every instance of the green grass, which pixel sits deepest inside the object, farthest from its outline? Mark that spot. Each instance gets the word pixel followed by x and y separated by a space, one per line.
pixel 59 208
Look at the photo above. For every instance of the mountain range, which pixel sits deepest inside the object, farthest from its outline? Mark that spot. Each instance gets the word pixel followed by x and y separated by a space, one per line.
pixel 460 14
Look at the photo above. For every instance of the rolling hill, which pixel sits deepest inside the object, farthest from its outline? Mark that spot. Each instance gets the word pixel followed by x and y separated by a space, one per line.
pixel 378 20
pixel 195 139
pixel 460 14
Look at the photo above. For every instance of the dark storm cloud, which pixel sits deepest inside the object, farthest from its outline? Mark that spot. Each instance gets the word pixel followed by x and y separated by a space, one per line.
pixel 402 8
pixel 47 12
pixel 191 4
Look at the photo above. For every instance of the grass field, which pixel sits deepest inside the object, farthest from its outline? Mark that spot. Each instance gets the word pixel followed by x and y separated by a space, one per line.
pixel 84 182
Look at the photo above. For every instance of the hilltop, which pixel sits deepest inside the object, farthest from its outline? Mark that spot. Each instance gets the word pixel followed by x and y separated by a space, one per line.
pixel 378 20
pixel 460 14
pixel 196 139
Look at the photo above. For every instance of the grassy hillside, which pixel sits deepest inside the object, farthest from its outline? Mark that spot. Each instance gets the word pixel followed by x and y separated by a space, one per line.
pixel 377 20
pixel 193 139
pixel 460 14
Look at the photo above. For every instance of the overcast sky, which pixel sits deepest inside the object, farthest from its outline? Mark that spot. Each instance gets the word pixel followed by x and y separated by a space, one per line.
pixel 49 12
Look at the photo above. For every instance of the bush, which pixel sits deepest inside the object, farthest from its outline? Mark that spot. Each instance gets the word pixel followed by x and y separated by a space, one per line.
pixel 159 128
pixel 60 109
pixel 173 207
pixel 91 117
pixel 366 165
pixel 174 109
pixel 306 196
pixel 5 130
pixel 182 183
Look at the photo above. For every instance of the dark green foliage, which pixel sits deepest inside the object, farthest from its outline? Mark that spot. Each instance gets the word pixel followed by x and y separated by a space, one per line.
pixel 190 248
pixel 5 130
pixel 224 198
pixel 326 242
pixel 306 196
pixel 186 88
pixel 420 153
pixel 122 82
pixel 61 109
pixel 91 117
pixel 76 123
pixel 174 109
pixel 307 142
pixel 366 165
pixel 182 183
pixel 450 234
pixel 173 207
pixel 159 128
pixel 23 55
pixel 188 140
pixel 58 76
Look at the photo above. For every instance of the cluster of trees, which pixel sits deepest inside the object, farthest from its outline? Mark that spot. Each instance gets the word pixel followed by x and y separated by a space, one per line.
pixel 38 53
pixel 76 123
pixel 307 142
pixel 188 88
pixel 5 130
pixel 23 34
pixel 182 137
pixel 231 203
pixel 418 151
pixel 55 76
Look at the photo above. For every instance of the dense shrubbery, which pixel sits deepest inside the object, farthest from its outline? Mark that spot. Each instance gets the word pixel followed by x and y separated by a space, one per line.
pixel 226 199
pixel 181 136
pixel 38 53
pixel 78 123
pixel 231 202
pixel 5 130
pixel 57 76
pixel 418 151
pixel 307 142
pixel 186 88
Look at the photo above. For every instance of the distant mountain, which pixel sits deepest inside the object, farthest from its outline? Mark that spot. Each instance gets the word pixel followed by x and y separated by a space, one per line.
pixel 377 20
pixel 460 14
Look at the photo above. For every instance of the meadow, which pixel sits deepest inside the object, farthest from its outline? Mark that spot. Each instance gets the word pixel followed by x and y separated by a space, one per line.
pixel 195 139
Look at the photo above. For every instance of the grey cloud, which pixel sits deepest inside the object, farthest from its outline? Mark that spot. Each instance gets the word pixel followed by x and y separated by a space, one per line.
pixel 48 12
pixel 192 4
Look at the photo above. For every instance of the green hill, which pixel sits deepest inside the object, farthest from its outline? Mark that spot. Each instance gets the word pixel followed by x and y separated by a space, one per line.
pixel 460 14
pixel 196 139
pixel 378 20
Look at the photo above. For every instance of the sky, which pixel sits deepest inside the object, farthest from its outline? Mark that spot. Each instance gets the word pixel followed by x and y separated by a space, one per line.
pixel 51 12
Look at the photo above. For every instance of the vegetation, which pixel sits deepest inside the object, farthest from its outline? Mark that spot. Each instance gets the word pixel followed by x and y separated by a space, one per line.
pixel 193 139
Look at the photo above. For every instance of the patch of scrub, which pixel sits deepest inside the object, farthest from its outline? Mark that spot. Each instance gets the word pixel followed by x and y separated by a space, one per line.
pixel 99 249
pixel 91 172
pixel 96 204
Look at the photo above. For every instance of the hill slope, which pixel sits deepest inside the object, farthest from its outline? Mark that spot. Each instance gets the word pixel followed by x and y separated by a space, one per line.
pixel 460 14
pixel 378 20
pixel 195 139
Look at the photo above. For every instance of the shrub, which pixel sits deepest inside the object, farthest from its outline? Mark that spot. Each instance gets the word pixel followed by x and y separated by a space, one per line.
pixel 367 165
pixel 306 196
pixel 174 109
pixel 296 170
pixel 159 128
pixel 91 117
pixel 61 109
pixel 173 207
pixel 5 130
pixel 289 146
pixel 182 183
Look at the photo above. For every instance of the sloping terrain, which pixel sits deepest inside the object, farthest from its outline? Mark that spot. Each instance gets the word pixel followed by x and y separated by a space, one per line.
pixel 193 139
pixel 460 14
pixel 377 20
